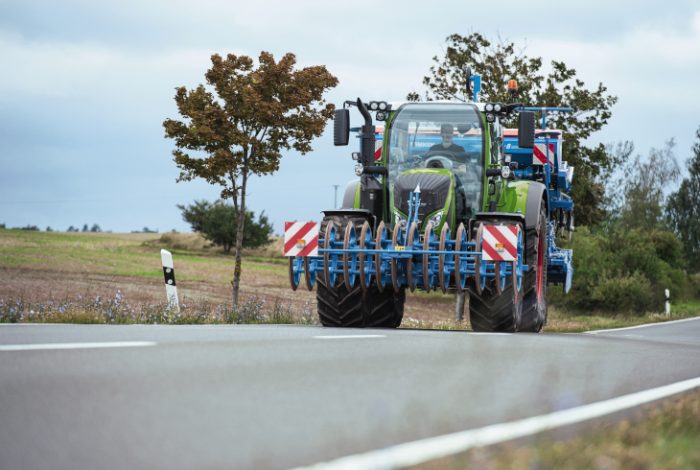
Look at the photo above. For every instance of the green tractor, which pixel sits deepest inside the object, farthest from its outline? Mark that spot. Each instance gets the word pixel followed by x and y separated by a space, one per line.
pixel 446 199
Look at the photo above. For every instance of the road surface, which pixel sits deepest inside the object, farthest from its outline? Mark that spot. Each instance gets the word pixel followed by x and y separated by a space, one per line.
pixel 273 396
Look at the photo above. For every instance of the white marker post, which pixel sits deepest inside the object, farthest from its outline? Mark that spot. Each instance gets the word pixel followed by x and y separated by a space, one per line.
pixel 169 274
pixel 667 293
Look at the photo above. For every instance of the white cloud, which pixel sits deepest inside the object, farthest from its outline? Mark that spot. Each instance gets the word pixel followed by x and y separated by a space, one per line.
pixel 642 64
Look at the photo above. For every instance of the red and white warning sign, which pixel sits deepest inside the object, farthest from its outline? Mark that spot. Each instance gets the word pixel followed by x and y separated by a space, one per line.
pixel 378 150
pixel 539 154
pixel 500 242
pixel 301 238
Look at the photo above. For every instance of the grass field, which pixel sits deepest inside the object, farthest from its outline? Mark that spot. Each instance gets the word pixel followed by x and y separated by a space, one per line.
pixel 86 274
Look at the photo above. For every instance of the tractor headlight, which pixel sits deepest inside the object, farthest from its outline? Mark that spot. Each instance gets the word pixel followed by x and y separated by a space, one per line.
pixel 505 172
pixel 381 116
pixel 359 169
pixel 356 156
pixel 437 218
pixel 490 117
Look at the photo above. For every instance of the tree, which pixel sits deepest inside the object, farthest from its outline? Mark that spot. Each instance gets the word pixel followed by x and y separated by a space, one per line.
pixel 496 63
pixel 95 228
pixel 240 124
pixel 683 209
pixel 644 184
pixel 217 223
pixel 85 228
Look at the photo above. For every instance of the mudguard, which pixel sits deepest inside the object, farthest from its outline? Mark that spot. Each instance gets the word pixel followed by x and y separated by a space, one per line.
pixel 520 198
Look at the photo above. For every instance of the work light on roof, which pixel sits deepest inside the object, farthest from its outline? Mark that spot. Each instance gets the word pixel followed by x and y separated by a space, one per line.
pixel 497 107
pixel 488 107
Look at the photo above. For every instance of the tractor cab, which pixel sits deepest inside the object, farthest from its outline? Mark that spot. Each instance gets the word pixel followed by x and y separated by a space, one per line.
pixel 439 148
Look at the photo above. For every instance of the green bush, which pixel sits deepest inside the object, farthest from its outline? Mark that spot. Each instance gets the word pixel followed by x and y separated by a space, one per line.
pixel 217 222
pixel 625 270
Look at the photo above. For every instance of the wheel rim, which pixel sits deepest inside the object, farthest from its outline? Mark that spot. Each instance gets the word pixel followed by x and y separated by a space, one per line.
pixel 365 271
pixel 381 235
pixel 294 274
pixel 427 238
pixel 395 240
pixel 350 259
pixel 328 272
pixel 441 258
pixel 477 262
pixel 409 262
pixel 460 243
pixel 499 279
pixel 309 275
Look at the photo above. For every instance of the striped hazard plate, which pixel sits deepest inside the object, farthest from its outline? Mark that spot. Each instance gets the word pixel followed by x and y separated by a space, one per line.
pixel 539 154
pixel 301 238
pixel 500 242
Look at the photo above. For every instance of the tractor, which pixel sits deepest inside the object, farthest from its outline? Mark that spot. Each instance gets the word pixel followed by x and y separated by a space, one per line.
pixel 446 199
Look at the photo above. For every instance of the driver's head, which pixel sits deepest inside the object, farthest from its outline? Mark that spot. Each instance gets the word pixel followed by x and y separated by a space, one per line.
pixel 446 132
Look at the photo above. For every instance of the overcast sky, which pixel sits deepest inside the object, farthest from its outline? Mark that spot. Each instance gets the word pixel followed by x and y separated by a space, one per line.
pixel 86 85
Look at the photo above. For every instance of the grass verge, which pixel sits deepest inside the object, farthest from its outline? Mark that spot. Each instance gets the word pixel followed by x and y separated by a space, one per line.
pixel 117 310
pixel 664 436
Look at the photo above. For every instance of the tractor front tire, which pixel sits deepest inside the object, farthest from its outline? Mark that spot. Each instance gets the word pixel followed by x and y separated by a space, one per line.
pixel 494 312
pixel 490 311
pixel 339 307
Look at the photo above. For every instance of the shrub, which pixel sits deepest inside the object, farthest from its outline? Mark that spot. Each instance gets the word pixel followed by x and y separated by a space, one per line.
pixel 217 223
pixel 625 270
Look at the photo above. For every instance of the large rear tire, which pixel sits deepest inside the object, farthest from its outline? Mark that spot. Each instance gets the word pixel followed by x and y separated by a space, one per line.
pixel 342 307
pixel 535 280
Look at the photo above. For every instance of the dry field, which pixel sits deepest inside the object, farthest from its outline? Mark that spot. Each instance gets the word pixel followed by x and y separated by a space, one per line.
pixel 40 267
pixel 37 267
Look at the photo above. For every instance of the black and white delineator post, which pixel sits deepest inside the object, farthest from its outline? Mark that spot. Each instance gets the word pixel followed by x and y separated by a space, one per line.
pixel 667 306
pixel 169 274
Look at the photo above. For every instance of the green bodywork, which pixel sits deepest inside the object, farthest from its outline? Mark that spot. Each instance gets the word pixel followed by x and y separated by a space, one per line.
pixel 509 196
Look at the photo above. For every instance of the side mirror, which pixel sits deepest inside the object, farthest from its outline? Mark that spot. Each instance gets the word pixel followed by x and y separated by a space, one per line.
pixel 341 127
pixel 526 130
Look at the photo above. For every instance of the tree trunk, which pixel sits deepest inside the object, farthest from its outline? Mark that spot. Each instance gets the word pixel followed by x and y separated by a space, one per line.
pixel 239 239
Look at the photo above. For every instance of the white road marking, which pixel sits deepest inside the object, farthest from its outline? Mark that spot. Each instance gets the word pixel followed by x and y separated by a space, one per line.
pixel 52 346
pixel 595 332
pixel 348 336
pixel 417 452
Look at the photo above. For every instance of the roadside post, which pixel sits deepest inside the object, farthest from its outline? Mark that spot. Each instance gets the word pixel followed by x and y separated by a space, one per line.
pixel 667 293
pixel 169 274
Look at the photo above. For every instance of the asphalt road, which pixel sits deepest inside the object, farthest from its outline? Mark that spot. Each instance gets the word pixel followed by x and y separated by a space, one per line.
pixel 282 396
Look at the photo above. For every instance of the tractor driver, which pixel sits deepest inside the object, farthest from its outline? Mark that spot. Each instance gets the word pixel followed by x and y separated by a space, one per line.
pixel 447 146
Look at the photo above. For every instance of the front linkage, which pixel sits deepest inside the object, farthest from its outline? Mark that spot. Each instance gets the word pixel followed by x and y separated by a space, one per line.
pixel 404 260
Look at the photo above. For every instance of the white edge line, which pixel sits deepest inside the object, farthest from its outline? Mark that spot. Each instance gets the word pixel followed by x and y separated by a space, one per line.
pixel 348 336
pixel 417 452
pixel 55 346
pixel 658 323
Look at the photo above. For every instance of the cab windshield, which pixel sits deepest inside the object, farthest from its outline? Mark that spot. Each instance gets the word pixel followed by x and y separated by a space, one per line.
pixel 441 135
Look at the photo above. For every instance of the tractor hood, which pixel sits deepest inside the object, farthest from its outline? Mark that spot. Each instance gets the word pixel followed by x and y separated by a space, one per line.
pixel 436 195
